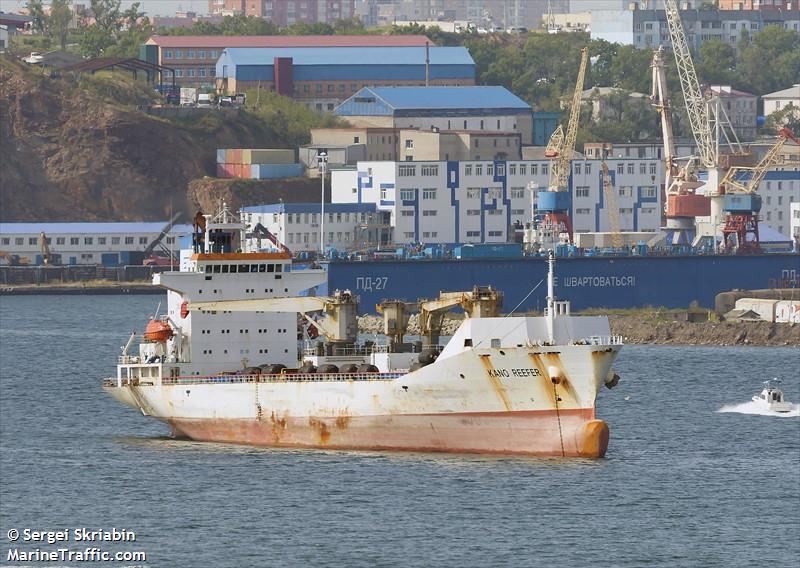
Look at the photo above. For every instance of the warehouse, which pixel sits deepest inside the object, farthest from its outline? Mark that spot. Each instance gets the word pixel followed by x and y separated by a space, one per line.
pixel 193 57
pixel 464 108
pixel 322 77
pixel 110 244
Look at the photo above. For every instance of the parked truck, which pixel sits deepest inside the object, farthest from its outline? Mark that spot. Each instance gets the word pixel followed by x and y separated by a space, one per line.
pixel 188 96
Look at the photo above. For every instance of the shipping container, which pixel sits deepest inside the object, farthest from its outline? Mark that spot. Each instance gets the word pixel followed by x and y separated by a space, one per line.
pixel 221 155
pixel 233 156
pixel 225 170
pixel 272 171
pixel 268 156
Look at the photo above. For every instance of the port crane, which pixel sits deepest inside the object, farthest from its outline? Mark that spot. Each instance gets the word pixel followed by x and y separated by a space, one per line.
pixel 683 204
pixel 554 203
pixel 708 127
pixel 742 203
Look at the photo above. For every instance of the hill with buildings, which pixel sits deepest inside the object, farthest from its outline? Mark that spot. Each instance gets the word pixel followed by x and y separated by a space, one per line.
pixel 83 148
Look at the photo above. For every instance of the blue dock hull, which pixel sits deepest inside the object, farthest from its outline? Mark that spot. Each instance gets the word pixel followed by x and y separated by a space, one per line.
pixel 595 282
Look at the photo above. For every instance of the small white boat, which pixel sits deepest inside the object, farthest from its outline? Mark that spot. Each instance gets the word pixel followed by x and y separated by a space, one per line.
pixel 771 398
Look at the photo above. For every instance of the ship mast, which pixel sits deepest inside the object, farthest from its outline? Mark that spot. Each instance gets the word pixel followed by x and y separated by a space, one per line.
pixel 551 262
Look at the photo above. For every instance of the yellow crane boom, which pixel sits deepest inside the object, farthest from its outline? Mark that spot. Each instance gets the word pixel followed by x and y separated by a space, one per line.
pixel 747 179
pixel 613 211
pixel 559 169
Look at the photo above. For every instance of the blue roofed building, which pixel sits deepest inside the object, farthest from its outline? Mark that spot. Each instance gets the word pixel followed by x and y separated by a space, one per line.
pixel 465 108
pixel 322 77
pixel 347 226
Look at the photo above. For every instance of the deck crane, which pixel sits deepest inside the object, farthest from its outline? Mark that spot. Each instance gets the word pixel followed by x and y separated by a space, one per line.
pixel 701 119
pixel 742 203
pixel 682 203
pixel 554 202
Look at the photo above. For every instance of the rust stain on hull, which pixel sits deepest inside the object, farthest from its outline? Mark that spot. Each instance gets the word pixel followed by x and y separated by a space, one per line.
pixel 497 385
pixel 322 429
pixel 516 432
pixel 592 439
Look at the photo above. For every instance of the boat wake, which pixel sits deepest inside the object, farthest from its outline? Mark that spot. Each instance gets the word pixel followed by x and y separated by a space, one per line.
pixel 753 407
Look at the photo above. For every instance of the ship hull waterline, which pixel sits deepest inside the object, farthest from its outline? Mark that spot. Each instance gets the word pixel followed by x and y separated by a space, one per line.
pixel 565 432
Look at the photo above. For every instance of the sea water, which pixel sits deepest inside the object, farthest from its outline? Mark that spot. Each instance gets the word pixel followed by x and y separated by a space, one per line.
pixel 682 484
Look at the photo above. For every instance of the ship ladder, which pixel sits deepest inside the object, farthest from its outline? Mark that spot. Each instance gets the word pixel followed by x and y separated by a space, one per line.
pixel 259 410
pixel 558 417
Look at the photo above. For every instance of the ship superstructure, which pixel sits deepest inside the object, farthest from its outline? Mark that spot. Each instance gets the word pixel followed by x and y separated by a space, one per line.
pixel 235 359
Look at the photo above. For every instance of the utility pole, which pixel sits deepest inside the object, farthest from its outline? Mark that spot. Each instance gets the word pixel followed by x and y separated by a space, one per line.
pixel 323 163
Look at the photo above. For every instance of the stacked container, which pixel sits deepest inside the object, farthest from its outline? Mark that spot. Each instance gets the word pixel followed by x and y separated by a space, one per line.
pixel 257 163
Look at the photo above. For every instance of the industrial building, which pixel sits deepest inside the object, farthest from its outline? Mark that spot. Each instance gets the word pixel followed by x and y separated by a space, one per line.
pixel 324 77
pixel 111 244
pixel 347 226
pixel 481 201
pixel 476 109
pixel 194 58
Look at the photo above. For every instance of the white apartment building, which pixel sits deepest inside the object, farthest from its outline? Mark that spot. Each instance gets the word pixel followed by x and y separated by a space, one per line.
pixel 795 224
pixel 779 190
pixel 779 100
pixel 111 244
pixel 347 226
pixel 479 201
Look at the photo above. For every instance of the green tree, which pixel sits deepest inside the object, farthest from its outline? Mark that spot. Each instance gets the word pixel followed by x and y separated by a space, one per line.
pixel 115 32
pixel 717 63
pixel 788 116
pixel 770 62
pixel 58 21
pixel 36 11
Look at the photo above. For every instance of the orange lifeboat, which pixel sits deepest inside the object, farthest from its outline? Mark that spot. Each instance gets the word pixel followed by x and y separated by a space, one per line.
pixel 157 331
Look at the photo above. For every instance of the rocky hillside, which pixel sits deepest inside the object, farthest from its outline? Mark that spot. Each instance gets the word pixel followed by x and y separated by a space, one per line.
pixel 206 194
pixel 78 148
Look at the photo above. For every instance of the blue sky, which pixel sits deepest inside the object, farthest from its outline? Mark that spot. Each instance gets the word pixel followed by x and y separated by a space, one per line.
pixel 152 7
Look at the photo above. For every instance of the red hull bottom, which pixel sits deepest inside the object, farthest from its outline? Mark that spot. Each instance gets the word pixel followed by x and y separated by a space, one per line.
pixel 573 433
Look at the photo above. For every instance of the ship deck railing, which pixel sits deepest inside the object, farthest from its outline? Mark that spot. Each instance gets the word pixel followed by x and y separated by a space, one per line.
pixel 601 340
pixel 278 378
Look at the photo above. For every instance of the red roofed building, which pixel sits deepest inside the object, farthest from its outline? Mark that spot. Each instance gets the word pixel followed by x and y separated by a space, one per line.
pixel 194 57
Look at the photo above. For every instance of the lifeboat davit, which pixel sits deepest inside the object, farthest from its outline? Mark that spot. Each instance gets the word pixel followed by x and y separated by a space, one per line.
pixel 157 331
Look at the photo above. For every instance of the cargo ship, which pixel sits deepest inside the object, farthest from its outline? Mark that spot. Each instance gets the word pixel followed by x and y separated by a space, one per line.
pixel 245 355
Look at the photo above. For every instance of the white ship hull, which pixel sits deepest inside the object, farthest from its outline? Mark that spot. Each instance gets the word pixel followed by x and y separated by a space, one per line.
pixel 517 400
